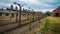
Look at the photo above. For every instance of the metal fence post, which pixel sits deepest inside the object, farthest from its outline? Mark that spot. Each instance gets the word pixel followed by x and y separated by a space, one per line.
pixel 16 14
pixel 19 15
pixel 33 14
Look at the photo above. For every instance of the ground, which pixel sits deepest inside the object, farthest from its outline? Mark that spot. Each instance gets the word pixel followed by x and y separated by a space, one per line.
pixel 48 25
pixel 51 25
pixel 19 30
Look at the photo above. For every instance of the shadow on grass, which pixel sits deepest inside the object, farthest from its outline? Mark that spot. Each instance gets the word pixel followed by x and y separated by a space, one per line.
pixel 55 28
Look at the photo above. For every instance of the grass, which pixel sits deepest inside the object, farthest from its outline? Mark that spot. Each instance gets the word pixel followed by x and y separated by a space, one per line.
pixel 13 19
pixel 7 20
pixel 51 25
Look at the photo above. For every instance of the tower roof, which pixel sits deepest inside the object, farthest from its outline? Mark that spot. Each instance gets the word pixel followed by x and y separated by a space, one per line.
pixel 58 7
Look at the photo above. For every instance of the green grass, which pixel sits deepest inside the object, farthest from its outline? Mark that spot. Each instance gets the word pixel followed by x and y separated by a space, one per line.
pixel 55 28
pixel 51 25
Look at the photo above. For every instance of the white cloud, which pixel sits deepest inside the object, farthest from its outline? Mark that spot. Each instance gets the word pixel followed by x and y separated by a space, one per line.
pixel 35 2
pixel 30 1
pixel 44 10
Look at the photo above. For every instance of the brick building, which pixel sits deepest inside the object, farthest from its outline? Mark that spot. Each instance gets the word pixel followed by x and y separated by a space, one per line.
pixel 7 13
pixel 40 14
pixel 56 12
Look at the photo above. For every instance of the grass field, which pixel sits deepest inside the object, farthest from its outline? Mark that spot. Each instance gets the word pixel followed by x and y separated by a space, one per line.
pixel 12 19
pixel 7 20
pixel 51 25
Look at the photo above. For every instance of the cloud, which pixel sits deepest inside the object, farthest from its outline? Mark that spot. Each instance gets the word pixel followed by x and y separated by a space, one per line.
pixel 35 4
pixel 44 10
pixel 30 1
pixel 4 5
pixel 5 1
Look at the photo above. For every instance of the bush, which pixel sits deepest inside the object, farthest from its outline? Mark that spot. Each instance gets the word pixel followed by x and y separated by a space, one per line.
pixel 46 26
pixel 50 28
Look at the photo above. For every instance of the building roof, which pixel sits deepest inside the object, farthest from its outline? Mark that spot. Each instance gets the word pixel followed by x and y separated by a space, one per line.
pixel 7 11
pixel 56 9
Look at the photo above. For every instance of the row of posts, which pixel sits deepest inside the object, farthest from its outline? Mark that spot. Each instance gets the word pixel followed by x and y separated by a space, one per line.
pixel 19 23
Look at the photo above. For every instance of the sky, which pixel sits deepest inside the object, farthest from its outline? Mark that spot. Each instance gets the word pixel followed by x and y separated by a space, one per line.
pixel 37 5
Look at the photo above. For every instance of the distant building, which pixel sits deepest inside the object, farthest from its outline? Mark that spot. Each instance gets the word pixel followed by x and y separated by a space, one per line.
pixel 10 13
pixel 40 14
pixel 7 13
pixel 56 12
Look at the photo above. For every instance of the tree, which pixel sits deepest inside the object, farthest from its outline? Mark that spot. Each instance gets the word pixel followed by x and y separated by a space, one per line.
pixel 48 13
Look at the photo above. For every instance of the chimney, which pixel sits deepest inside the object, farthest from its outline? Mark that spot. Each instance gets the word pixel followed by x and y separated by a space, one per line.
pixel 11 7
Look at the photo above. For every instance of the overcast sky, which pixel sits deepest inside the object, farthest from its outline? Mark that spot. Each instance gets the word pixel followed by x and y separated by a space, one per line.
pixel 42 5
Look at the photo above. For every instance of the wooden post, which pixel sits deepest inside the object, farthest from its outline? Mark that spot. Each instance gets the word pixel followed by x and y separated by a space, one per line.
pixel 10 18
pixel 30 26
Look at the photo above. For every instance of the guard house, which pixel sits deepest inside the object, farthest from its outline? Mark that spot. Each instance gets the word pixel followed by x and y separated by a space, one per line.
pixel 56 12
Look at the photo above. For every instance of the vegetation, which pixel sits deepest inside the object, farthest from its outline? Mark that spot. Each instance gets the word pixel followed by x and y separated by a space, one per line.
pixel 48 13
pixel 51 25
pixel 46 25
